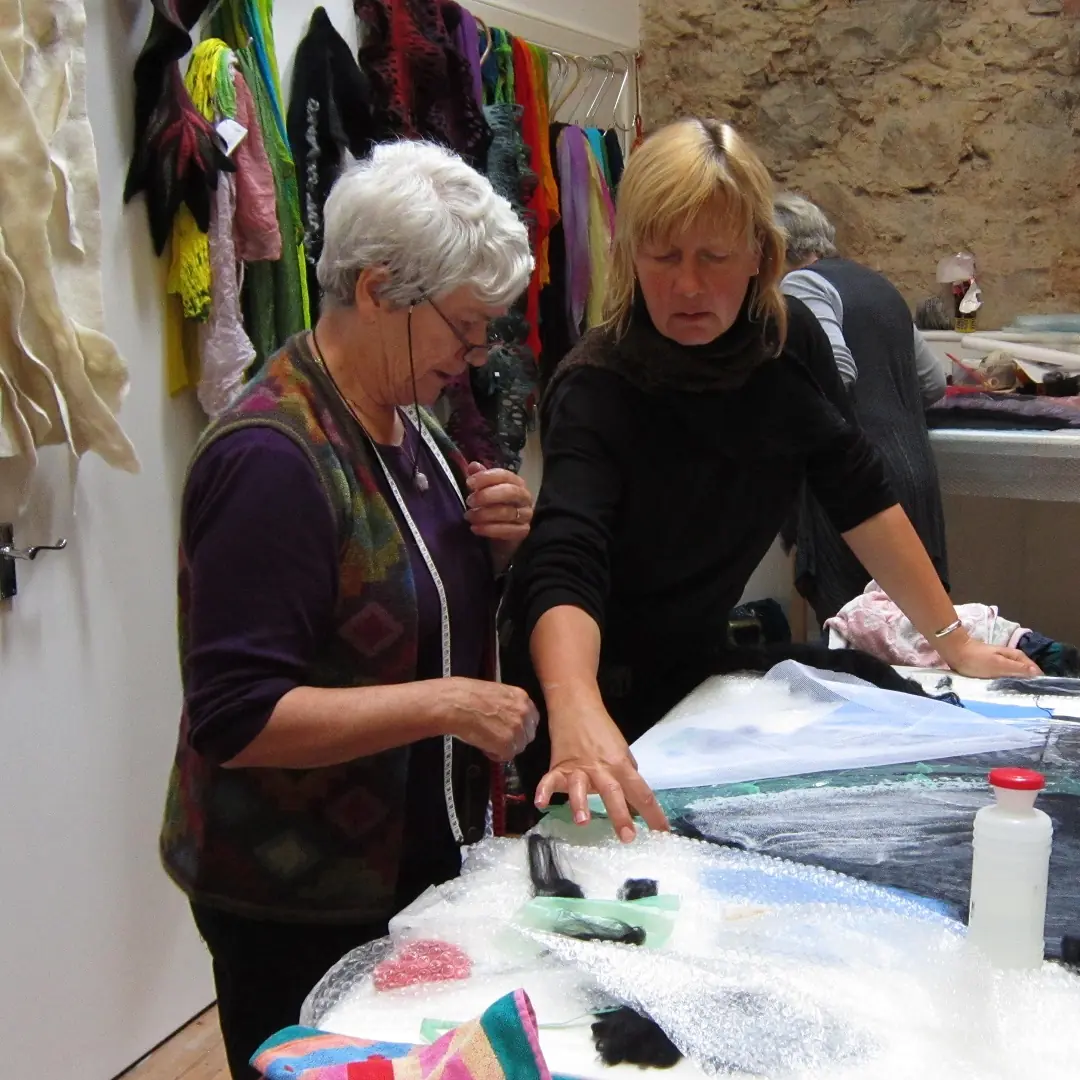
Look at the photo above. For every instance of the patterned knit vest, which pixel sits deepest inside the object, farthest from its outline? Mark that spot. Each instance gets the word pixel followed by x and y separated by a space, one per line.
pixel 316 845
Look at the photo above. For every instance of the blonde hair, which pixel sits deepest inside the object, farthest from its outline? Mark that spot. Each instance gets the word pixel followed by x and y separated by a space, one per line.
pixel 682 171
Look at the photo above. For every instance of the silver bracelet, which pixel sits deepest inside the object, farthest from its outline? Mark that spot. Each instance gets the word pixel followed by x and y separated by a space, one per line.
pixel 949 629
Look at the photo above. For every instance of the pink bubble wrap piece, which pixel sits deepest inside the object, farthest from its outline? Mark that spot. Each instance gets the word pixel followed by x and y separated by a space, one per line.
pixel 422 962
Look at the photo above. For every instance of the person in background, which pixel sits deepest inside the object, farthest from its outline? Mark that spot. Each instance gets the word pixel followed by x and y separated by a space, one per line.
pixel 892 376
pixel 337 586
pixel 676 438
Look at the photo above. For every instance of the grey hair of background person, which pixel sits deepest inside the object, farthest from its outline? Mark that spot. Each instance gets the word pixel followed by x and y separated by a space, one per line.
pixel 808 232
pixel 431 221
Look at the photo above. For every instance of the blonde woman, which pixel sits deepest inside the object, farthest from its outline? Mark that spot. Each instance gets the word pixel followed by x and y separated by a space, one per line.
pixel 676 439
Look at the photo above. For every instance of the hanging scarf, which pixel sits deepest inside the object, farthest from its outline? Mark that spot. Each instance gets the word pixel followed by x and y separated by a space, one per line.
pixel 467 39
pixel 556 340
pixel 177 155
pixel 501 61
pixel 654 363
pixel 614 157
pixel 225 350
pixel 506 383
pixel 209 84
pixel 420 75
pixel 330 117
pixel 599 151
pixel 601 226
pixel 545 170
pixel 572 152
pixel 275 294
pixel 538 219
pixel 257 234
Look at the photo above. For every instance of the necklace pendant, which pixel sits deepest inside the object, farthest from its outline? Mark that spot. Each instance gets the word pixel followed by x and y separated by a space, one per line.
pixel 421 482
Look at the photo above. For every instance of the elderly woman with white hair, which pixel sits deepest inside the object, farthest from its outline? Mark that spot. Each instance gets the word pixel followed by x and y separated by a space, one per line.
pixel 892 376
pixel 337 587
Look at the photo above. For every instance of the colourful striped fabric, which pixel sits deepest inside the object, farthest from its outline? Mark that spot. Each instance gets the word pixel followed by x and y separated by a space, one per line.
pixel 503 1044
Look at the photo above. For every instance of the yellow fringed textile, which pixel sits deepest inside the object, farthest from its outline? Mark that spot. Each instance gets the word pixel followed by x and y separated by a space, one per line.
pixel 189 272
pixel 177 376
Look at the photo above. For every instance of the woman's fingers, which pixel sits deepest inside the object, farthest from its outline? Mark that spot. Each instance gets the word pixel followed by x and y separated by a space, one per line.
pixel 619 788
pixel 981 661
pixel 610 791
pixel 515 495
pixel 644 801
pixel 579 797
pixel 551 783
pixel 504 514
pixel 1024 662
pixel 480 476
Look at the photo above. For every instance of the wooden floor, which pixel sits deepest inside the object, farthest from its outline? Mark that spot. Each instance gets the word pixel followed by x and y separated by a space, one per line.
pixel 193 1053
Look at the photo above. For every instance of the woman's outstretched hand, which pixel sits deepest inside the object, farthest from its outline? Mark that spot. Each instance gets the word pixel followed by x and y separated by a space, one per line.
pixel 981 661
pixel 590 756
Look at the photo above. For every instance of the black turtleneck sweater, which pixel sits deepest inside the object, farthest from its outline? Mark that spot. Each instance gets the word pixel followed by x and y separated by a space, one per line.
pixel 657 505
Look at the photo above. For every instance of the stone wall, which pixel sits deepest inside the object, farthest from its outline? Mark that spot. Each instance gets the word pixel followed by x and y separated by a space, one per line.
pixel 922 127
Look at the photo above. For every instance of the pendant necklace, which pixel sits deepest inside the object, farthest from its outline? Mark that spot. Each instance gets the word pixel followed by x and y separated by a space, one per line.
pixel 419 477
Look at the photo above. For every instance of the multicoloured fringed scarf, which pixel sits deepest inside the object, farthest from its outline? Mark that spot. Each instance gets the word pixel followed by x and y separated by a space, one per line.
pixel 502 1044
pixel 210 86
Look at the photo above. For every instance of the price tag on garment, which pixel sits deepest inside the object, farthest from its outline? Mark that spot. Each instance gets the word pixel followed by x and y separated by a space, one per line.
pixel 232 133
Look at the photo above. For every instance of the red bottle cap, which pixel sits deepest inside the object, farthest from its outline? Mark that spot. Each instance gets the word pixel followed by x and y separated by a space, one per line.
pixel 1017 779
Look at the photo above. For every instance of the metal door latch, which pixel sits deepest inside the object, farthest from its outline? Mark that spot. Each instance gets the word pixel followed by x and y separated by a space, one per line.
pixel 9 553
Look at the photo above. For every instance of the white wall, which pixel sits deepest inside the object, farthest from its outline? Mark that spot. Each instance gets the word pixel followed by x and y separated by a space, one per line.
pixel 99 957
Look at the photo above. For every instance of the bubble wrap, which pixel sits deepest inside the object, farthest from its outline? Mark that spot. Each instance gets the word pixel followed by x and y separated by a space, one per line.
pixel 774 969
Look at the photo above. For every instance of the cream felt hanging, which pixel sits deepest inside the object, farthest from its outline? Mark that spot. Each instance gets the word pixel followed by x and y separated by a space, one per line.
pixel 61 378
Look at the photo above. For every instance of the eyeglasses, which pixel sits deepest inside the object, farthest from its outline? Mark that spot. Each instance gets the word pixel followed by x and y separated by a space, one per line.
pixel 494 339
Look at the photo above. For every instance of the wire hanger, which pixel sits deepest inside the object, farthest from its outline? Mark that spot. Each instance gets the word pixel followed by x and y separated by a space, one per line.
pixel 488 40
pixel 639 133
pixel 609 77
pixel 562 73
pixel 628 62
pixel 580 67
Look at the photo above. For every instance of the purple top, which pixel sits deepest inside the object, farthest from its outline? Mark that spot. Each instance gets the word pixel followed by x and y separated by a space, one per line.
pixel 262 546
pixel 263 555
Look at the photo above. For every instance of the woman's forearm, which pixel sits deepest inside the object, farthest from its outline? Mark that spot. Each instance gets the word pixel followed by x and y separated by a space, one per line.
pixel 312 727
pixel 565 648
pixel 890 549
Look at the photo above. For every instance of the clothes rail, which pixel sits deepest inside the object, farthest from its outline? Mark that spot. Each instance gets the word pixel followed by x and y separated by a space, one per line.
pixel 556 24
pixel 596 62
